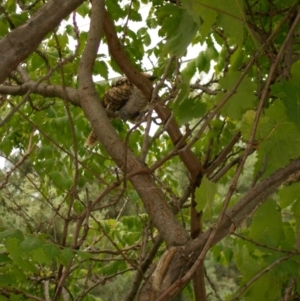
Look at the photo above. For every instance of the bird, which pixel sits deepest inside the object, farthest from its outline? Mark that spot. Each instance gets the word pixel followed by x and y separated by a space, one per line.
pixel 125 100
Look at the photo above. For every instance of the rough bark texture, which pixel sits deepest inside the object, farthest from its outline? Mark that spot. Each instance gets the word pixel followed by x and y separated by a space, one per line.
pixel 184 257
pixel 68 94
pixel 117 52
pixel 22 41
pixel 163 219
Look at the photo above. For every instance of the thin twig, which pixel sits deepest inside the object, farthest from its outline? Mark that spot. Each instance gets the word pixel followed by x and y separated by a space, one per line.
pixel 260 274
pixel 146 140
pixel 46 290
pixel 291 252
pixel 189 275
pixel 212 285
pixel 29 150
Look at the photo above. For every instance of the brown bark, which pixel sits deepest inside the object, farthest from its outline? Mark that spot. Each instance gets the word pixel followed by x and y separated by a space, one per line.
pixel 233 219
pixel 46 90
pixel 117 52
pixel 199 277
pixel 22 41
pixel 187 156
pixel 153 199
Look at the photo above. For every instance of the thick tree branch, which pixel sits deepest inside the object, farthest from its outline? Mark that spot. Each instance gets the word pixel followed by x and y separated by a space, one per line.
pixel 43 90
pixel 172 281
pixel 187 156
pixel 22 41
pixel 230 220
pixel 249 202
pixel 163 219
pixel 117 52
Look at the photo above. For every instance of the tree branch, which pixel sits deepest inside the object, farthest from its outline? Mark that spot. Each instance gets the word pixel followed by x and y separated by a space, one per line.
pixel 119 55
pixel 43 90
pixel 163 219
pixel 232 219
pixel 22 41
pixel 260 274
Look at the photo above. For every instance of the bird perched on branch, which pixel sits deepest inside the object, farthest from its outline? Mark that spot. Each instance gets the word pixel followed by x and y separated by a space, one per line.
pixel 125 100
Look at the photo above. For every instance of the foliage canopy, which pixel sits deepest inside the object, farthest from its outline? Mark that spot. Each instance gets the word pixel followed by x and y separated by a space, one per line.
pixel 197 201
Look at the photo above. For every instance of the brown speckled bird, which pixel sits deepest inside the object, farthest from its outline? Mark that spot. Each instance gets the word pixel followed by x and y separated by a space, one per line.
pixel 125 99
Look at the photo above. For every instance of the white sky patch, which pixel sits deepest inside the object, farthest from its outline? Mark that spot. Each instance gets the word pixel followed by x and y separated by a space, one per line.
pixel 2 162
pixel 147 62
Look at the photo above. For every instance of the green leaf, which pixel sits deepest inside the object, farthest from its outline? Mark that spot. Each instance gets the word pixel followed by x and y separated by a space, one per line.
pixel 205 195
pixel 10 5
pixel 248 266
pixel 203 62
pixel 289 92
pixel 16 297
pixel 78 206
pixel 289 194
pixel 168 15
pixel 3 26
pixel 4 258
pixel 60 180
pixel 133 223
pixel 281 139
pixel 83 10
pixel 247 124
pixel 237 59
pixel 182 36
pixel 266 226
pixel 30 243
pixel 62 41
pixel 144 36
pixel 264 288
pixel 66 255
pixel 15 251
pixel 112 268
pixel 12 233
pixel 243 100
pixel 114 9
pixel 19 19
pixel 296 211
pixel 189 109
pixel 7 279
pixel 101 68
pixel 187 73
pixel 207 13
pixel 135 16
pixel 231 19
pixel 40 256
pixel 51 250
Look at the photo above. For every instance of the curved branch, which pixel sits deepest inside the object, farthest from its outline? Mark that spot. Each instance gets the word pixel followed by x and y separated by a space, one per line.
pixel 232 219
pixel 117 52
pixel 163 219
pixel 43 90
pixel 248 203
pixel 22 41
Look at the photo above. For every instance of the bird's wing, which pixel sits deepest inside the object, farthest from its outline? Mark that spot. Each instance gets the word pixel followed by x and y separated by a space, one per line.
pixel 117 95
